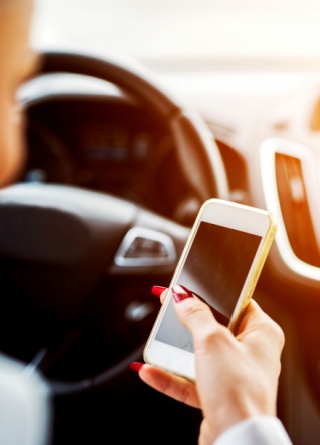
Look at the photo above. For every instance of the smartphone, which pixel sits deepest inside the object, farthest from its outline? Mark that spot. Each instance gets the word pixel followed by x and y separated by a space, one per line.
pixel 220 263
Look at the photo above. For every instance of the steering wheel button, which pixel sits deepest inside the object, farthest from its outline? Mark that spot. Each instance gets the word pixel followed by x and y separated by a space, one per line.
pixel 145 247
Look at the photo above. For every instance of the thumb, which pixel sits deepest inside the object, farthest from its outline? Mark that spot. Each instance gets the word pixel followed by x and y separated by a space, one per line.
pixel 193 313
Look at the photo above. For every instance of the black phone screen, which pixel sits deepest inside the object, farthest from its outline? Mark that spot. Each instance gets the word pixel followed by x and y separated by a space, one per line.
pixel 215 270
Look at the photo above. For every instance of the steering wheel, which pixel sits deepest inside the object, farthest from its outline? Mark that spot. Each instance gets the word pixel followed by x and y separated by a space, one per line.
pixel 65 249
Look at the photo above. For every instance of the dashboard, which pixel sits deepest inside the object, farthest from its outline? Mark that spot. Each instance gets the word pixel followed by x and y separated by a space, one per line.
pixel 107 144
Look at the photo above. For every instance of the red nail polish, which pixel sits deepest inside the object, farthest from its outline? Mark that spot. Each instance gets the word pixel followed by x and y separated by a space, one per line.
pixel 157 290
pixel 180 293
pixel 135 366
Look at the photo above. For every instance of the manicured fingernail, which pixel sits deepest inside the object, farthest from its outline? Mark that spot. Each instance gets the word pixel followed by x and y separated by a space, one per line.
pixel 157 290
pixel 180 293
pixel 135 366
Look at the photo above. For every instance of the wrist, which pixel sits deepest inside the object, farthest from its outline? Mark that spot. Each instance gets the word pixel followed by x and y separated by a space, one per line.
pixel 238 412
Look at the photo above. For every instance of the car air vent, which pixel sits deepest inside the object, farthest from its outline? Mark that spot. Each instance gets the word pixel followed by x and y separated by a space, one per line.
pixel 291 187
pixel 295 208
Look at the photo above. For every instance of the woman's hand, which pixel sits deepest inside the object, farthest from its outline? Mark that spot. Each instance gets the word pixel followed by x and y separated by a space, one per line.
pixel 236 376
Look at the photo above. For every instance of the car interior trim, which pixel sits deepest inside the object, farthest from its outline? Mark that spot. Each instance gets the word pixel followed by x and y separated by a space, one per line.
pixel 144 247
pixel 269 149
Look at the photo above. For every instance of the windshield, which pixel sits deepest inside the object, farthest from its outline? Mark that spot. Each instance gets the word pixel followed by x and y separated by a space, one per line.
pixel 178 30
